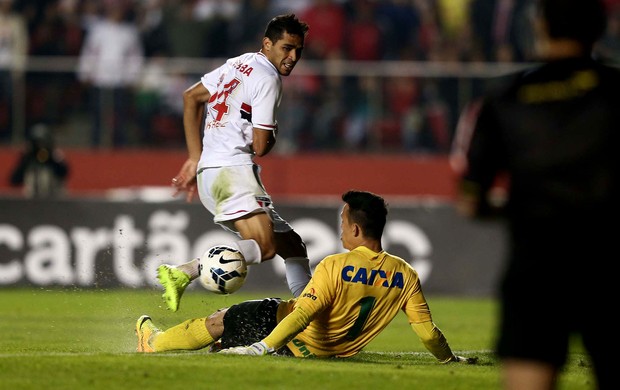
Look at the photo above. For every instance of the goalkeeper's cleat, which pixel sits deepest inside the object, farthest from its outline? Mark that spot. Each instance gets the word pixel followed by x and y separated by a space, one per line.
pixel 174 282
pixel 145 331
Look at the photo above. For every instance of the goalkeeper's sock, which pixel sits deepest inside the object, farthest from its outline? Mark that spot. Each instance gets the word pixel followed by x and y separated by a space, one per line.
pixel 188 335
pixel 297 274
pixel 191 268
pixel 250 250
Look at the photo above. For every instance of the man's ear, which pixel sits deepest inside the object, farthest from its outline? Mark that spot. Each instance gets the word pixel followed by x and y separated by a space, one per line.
pixel 267 43
pixel 357 231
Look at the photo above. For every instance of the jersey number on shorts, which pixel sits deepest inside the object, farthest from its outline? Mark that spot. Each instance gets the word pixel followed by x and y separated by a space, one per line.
pixel 221 107
pixel 366 305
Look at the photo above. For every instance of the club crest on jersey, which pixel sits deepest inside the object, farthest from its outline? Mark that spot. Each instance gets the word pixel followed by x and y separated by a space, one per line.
pixel 263 201
pixel 373 277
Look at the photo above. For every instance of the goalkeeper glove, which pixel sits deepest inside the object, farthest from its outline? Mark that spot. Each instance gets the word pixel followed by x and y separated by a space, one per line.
pixel 259 348
pixel 466 360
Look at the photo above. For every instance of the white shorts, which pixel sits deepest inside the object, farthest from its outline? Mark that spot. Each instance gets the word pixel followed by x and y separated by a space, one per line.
pixel 230 193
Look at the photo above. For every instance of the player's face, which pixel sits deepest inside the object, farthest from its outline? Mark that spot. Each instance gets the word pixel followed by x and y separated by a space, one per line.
pixel 284 53
pixel 346 229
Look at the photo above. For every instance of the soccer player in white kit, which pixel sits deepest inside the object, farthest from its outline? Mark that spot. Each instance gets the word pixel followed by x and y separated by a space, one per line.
pixel 241 98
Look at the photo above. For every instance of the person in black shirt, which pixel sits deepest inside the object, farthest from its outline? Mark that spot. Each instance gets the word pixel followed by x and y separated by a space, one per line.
pixel 41 169
pixel 549 138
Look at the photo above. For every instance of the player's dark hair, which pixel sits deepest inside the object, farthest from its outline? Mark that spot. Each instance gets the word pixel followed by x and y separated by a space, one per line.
pixel 285 23
pixel 581 20
pixel 368 210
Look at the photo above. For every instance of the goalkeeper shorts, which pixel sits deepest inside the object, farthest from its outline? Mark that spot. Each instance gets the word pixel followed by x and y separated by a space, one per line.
pixel 251 321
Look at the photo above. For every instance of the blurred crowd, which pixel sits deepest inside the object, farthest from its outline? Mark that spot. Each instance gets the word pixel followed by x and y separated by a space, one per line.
pixel 133 99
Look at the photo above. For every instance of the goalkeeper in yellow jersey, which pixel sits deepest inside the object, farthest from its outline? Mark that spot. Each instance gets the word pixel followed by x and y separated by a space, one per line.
pixel 350 299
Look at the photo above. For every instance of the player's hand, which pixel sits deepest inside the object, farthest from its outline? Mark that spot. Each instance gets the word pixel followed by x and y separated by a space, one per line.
pixel 185 180
pixel 465 360
pixel 256 349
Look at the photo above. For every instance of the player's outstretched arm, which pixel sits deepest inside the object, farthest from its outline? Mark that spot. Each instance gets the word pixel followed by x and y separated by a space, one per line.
pixel 436 343
pixel 194 100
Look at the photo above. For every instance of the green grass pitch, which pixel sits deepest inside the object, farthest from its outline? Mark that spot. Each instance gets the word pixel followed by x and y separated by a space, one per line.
pixel 84 339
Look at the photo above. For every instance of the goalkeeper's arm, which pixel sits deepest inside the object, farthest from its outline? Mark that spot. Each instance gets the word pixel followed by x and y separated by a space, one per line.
pixel 436 343
pixel 288 328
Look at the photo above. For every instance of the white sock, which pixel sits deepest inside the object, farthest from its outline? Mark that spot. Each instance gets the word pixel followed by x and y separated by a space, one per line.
pixel 249 249
pixel 191 268
pixel 297 274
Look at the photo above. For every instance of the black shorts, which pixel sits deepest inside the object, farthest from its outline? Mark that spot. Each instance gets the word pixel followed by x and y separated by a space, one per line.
pixel 553 291
pixel 251 321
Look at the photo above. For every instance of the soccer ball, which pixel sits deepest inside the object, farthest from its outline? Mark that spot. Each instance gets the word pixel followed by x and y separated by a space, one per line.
pixel 222 269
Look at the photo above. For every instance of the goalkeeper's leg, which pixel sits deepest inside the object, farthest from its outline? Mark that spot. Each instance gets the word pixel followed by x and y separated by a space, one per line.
pixel 192 334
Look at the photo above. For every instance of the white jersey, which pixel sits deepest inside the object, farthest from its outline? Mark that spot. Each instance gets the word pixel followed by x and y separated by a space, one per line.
pixel 112 55
pixel 245 93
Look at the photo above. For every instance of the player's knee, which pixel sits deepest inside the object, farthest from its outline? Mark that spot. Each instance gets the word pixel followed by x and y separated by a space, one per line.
pixel 267 251
pixel 215 323
pixel 290 244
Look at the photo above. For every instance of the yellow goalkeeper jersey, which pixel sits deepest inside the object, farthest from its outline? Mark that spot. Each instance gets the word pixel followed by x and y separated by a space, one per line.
pixel 351 298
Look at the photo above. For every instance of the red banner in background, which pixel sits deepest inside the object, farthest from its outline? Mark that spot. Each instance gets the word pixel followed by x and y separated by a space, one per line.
pixel 284 176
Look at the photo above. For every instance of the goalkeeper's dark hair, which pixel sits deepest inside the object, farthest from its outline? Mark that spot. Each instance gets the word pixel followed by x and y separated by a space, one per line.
pixel 582 20
pixel 285 23
pixel 368 210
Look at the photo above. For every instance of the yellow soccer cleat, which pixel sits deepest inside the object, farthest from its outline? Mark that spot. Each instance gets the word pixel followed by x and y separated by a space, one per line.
pixel 145 331
pixel 174 282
